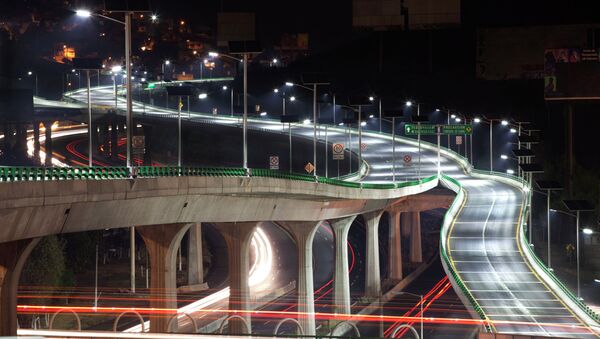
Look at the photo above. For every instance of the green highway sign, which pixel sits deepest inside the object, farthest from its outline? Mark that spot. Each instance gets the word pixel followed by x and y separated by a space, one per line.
pixel 422 129
pixel 431 129
pixel 457 129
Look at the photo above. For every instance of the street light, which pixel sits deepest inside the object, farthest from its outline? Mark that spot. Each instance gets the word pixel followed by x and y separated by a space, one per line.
pixel 84 13
pixel 578 206
pixel 202 96
pixel 587 231
pixel 30 73
pixel 549 186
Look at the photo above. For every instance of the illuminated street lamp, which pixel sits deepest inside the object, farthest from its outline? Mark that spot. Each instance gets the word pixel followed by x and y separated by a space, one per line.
pixel 84 13
pixel 30 73
pixel 578 206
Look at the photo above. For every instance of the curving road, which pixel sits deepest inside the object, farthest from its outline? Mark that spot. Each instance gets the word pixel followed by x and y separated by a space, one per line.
pixel 483 241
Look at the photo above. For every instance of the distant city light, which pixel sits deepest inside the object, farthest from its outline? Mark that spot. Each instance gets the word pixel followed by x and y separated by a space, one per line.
pixel 587 231
pixel 143 79
pixel 202 96
pixel 29 73
pixel 167 62
pixel 341 124
pixel 453 116
pixel 477 120
pixel 504 122
pixel 154 17
pixel 276 90
pixel 213 54
pixel 275 60
pixel 84 13
pixel 437 109
pixel 512 130
pixel 262 114
pixel 363 123
pixel 371 116
pixel 408 103
pixel 289 84
pixel 292 98
pixel 371 98
pixel 116 69
pixel 306 121
pixel 504 156
pixel 457 119
pixel 224 88
pixel 509 171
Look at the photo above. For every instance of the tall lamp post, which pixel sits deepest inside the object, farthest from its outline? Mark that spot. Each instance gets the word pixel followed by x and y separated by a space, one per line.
pixel 530 170
pixel 503 122
pixel 128 113
pixel 577 206
pixel 549 187
pixel 245 51
pixel 314 119
pixel 30 73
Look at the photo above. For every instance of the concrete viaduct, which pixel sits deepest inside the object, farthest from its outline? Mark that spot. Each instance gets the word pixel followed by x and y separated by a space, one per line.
pixel 163 209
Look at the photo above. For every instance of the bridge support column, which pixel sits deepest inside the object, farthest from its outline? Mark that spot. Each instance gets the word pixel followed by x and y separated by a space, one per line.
pixel 342 279
pixel 373 276
pixel 238 236
pixel 413 220
pixel 195 262
pixel 395 247
pixel 13 256
pixel 304 234
pixel 48 142
pixel 162 242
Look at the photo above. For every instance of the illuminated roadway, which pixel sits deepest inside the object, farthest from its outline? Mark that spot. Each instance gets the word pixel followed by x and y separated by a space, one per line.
pixel 483 241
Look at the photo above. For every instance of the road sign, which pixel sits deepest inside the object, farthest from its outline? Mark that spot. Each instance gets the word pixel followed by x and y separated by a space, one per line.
pixel 457 129
pixel 138 143
pixel 423 129
pixel 337 150
pixel 363 146
pixel 407 160
pixel 309 168
pixel 431 129
pixel 459 139
pixel 274 162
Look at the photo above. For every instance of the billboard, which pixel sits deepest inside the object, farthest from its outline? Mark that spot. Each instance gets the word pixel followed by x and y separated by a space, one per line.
pixel 235 26
pixel 392 14
pixel 507 53
pixel 571 74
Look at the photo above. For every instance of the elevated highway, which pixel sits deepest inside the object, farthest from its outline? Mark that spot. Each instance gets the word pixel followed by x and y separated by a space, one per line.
pixel 483 244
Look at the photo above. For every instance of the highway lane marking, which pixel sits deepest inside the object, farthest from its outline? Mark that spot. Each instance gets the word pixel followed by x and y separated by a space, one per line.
pixel 496 251
pixel 487 319
pixel 492 281
pixel 503 291
pixel 495 273
pixel 508 238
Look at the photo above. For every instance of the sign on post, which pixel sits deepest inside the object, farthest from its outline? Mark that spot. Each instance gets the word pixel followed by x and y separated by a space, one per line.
pixel 337 151
pixel 363 146
pixel 407 160
pixel 431 129
pixel 274 162
pixel 138 143
pixel 309 168
pixel 459 139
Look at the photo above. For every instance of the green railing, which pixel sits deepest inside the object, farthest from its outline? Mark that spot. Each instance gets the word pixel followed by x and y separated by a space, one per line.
pixel 444 253
pixel 16 174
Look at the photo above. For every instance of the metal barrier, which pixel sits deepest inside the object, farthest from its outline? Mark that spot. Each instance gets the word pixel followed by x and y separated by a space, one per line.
pixel 234 316
pixel 139 316
pixel 284 320
pixel 51 326
pixel 176 317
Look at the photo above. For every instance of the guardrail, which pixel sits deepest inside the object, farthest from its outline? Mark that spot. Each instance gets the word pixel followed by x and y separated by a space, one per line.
pixel 455 186
pixel 17 174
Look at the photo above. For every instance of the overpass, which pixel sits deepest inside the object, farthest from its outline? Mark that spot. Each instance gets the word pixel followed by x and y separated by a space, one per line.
pixel 483 245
